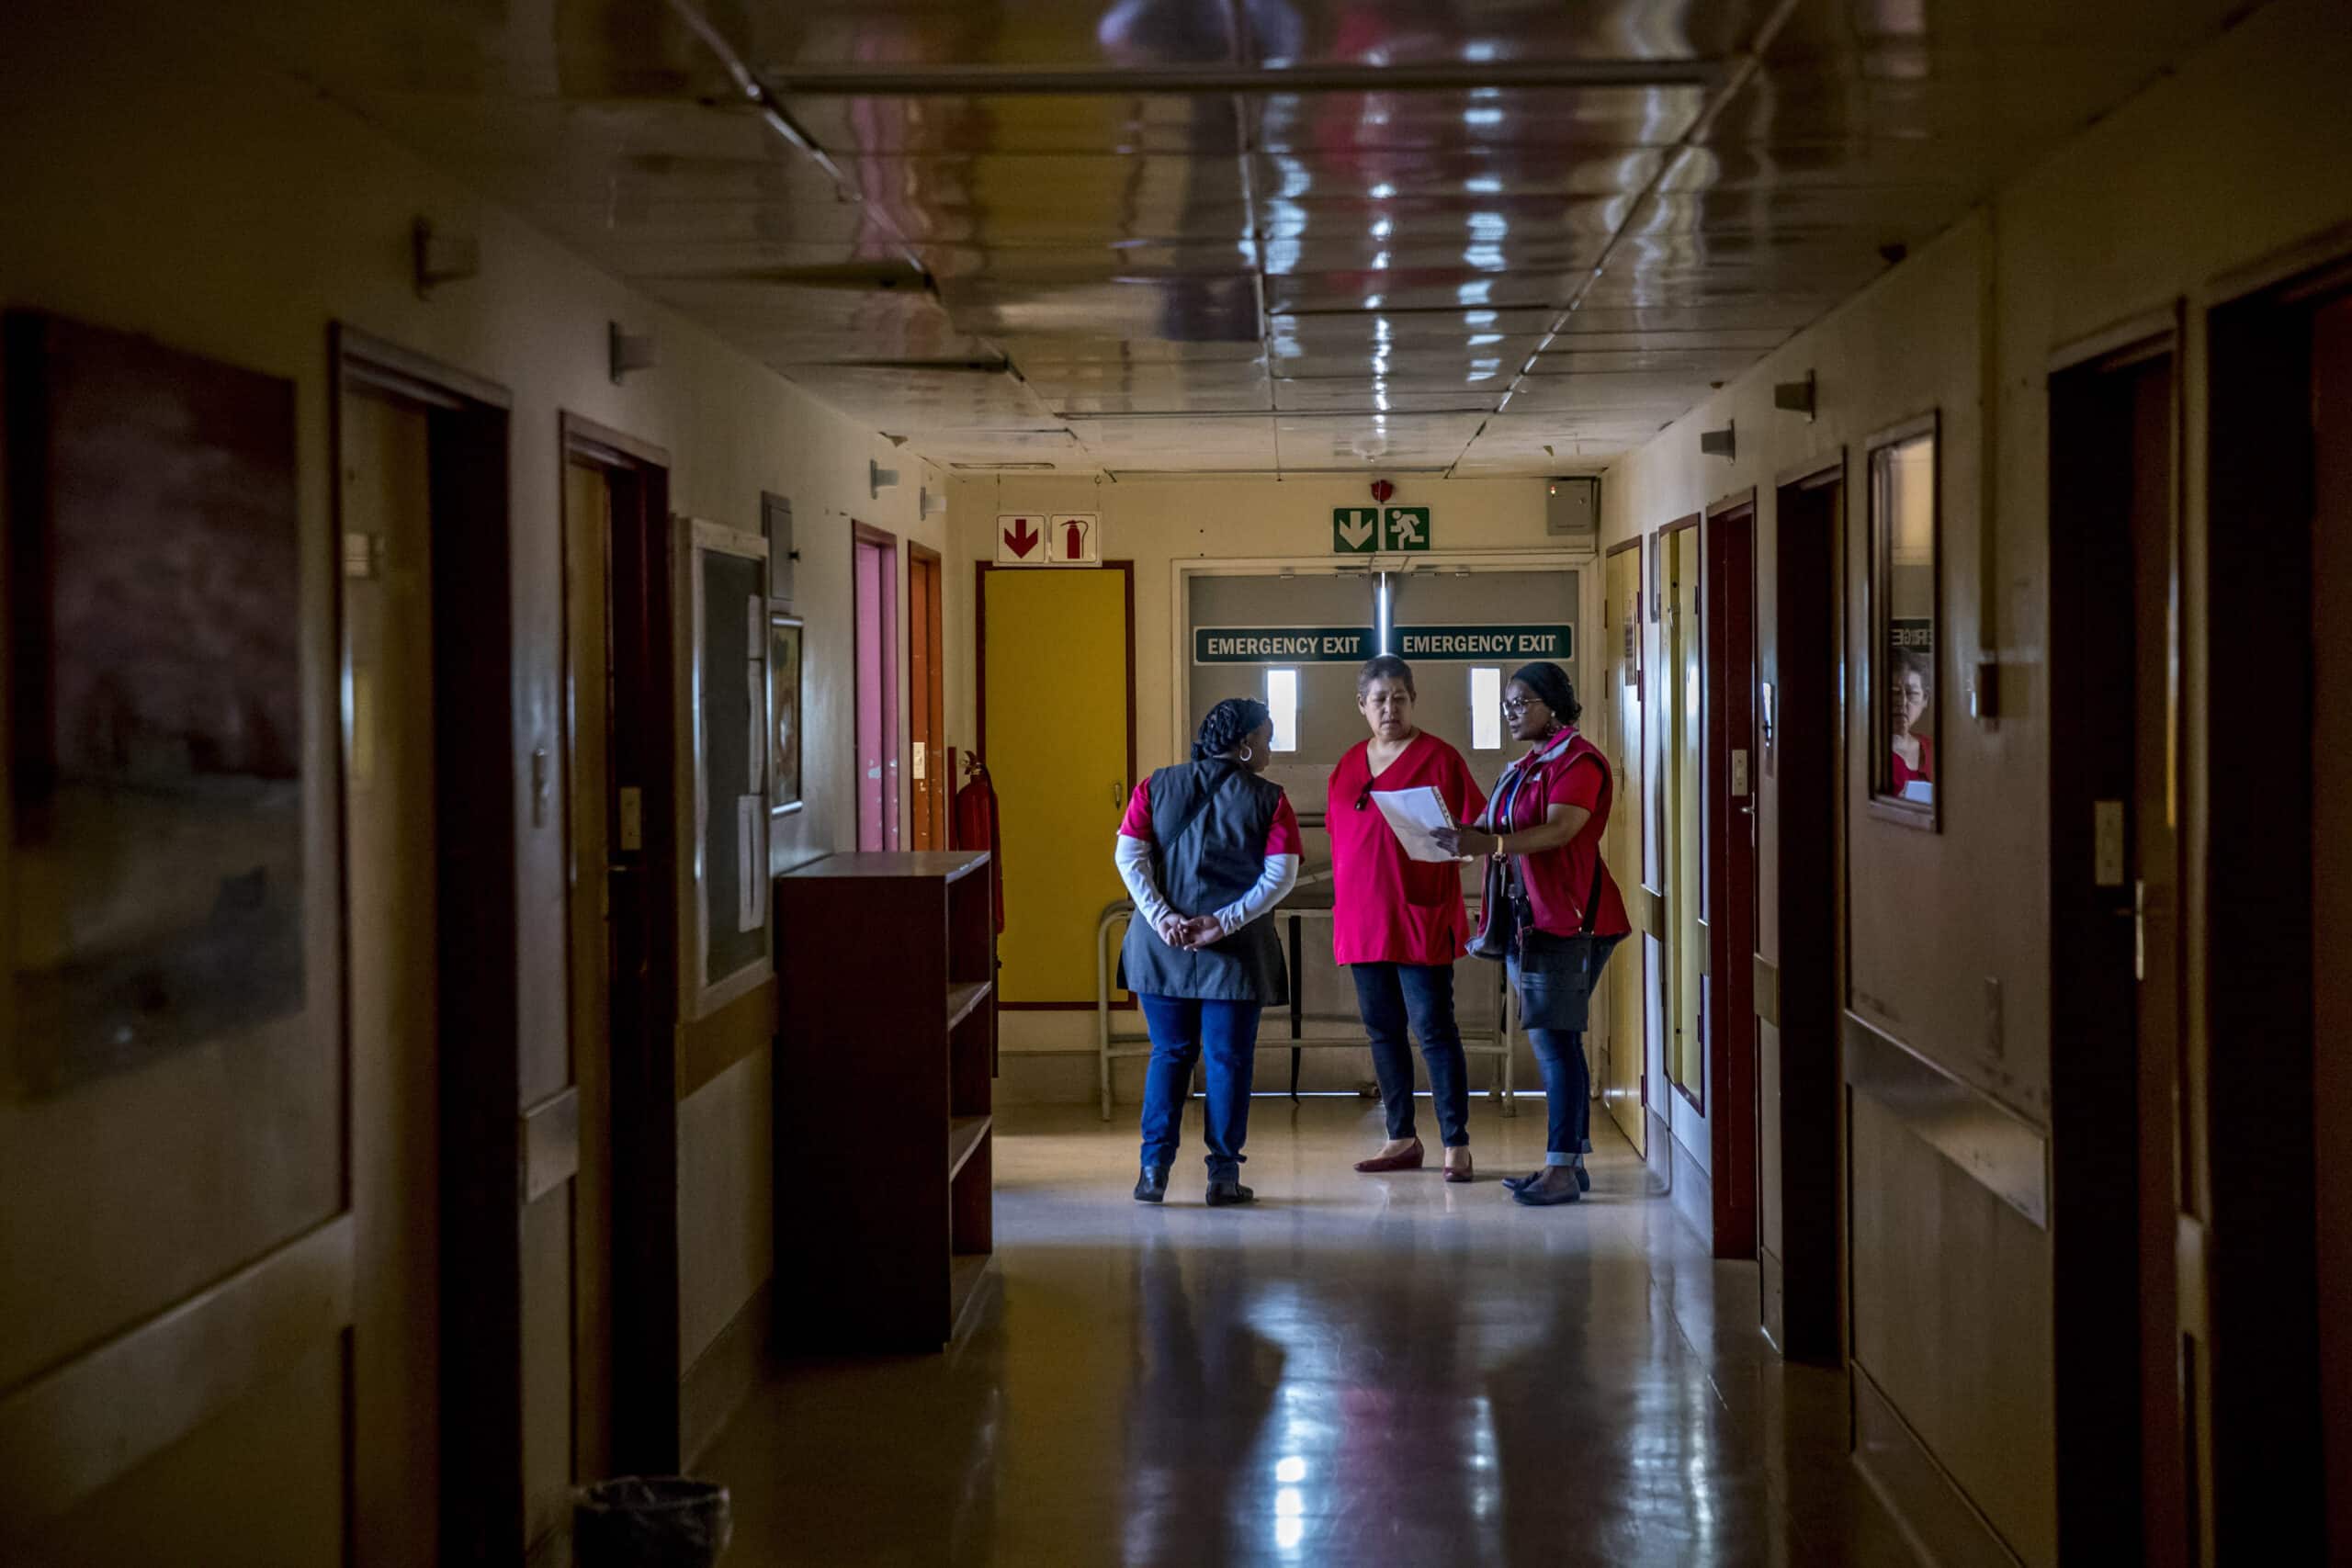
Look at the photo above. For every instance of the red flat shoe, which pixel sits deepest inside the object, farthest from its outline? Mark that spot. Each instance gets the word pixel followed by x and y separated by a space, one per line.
pixel 1460 1174
pixel 1409 1160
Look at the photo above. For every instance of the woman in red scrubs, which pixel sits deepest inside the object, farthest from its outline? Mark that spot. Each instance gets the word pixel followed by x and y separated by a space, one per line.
pixel 1399 923
pixel 1553 912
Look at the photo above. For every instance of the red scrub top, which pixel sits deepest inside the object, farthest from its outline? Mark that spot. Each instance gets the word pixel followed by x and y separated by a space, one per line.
pixel 1388 908
pixel 1559 881
pixel 1282 837
pixel 1905 773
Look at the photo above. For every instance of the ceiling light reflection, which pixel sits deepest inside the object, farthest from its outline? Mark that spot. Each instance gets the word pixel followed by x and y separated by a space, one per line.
pixel 1291 1470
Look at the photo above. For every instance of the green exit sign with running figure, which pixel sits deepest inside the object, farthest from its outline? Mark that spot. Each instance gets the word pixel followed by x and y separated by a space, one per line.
pixel 1379 530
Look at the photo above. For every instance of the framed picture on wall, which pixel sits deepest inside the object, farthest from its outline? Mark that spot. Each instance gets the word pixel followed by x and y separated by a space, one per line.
pixel 784 713
pixel 159 890
pixel 1903 697
pixel 727 578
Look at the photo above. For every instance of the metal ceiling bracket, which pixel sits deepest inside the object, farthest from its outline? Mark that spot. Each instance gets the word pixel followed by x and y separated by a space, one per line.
pixel 628 353
pixel 438 257
pixel 1795 397
pixel 1718 443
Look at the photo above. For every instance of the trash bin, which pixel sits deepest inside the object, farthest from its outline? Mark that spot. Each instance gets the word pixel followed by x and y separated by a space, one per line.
pixel 650 1521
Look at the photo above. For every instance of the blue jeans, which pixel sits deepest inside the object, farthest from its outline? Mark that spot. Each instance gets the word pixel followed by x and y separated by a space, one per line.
pixel 1568 1094
pixel 1182 1029
pixel 1388 995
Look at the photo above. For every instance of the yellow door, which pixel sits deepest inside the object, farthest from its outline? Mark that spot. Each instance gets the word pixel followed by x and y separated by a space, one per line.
pixel 395 1071
pixel 1055 733
pixel 1686 948
pixel 1623 1037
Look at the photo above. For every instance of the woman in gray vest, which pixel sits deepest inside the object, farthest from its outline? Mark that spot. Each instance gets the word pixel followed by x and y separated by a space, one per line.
pixel 1207 847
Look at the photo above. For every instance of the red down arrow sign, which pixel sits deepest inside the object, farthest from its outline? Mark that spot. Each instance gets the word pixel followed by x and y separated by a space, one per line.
pixel 1018 538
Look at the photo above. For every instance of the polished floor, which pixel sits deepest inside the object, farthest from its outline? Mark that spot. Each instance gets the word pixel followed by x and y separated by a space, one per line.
pixel 1357 1372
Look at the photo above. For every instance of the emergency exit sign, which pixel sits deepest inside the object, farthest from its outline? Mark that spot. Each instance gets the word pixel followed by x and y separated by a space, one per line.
pixel 1353 645
pixel 1379 530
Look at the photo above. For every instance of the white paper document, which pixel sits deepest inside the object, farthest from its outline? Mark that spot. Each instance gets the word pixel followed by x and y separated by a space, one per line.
pixel 1413 815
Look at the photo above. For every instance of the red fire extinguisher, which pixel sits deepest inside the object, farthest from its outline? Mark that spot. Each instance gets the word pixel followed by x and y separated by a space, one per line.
pixel 976 826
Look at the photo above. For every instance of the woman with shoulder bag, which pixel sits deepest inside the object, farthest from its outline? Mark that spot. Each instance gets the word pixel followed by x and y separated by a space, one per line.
pixel 1206 849
pixel 1553 912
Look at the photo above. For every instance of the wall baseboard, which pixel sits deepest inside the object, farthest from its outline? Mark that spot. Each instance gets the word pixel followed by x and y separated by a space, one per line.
pixel 738 1360
pixel 1944 1526
pixel 1692 1190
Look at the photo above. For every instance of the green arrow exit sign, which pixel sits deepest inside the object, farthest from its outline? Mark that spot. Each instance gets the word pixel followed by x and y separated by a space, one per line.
pixel 1369 530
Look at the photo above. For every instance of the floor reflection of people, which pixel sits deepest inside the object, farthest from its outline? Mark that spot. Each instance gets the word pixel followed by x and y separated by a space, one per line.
pixel 1203 1381
pixel 1913 755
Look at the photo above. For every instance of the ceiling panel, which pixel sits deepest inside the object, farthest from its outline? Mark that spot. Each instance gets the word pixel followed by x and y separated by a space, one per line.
pixel 1463 173
pixel 923 403
pixel 1559 120
pixel 1341 395
pixel 1436 289
pixel 1016 123
pixel 1209 269
pixel 1207 445
pixel 1405 441
pixel 793 325
pixel 1385 32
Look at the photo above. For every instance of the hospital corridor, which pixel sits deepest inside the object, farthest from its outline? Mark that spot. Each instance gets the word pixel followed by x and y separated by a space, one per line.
pixel 1175 784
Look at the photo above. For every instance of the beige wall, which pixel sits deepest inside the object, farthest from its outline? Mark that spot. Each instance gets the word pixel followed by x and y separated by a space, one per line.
pixel 2237 156
pixel 1160 524
pixel 160 181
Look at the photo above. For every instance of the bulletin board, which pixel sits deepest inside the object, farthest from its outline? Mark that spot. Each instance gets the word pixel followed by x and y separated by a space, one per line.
pixel 729 699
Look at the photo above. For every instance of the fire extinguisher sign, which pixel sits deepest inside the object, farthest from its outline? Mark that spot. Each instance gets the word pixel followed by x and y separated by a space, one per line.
pixel 1059 538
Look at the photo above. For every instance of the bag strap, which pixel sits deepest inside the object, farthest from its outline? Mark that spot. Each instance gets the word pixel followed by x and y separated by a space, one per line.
pixel 1592 899
pixel 1192 813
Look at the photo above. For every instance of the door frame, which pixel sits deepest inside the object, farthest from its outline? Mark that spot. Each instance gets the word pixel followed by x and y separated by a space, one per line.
pixel 864 535
pixel 633 1124
pixel 1661 899
pixel 477 928
pixel 2252 1277
pixel 1641 817
pixel 1185 573
pixel 1126 568
pixel 1727 710
pixel 1804 1286
pixel 929 819
pixel 2110 1145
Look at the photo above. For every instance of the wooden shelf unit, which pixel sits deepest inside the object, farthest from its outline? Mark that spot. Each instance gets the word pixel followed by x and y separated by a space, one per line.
pixel 884 1062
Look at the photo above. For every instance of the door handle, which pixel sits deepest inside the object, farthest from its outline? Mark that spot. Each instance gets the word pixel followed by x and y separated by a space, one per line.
pixel 2137 915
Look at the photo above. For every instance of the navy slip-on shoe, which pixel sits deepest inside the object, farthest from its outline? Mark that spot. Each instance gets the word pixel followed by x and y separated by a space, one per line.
pixel 1536 1198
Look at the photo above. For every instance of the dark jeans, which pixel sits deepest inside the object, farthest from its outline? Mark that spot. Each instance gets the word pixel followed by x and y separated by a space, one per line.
pixel 1568 1094
pixel 1182 1029
pixel 1388 995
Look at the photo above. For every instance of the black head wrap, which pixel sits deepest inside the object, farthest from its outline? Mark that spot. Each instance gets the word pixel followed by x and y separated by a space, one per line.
pixel 1227 725
pixel 1551 684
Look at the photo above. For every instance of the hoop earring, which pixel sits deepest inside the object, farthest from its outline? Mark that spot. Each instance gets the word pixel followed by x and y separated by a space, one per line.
pixel 1247 753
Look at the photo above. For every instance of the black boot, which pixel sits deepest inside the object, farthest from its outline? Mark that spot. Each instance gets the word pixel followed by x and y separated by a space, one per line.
pixel 1152 1186
pixel 1223 1194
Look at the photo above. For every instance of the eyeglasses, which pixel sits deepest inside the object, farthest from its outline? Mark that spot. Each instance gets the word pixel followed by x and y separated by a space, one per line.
pixel 1364 799
pixel 1521 704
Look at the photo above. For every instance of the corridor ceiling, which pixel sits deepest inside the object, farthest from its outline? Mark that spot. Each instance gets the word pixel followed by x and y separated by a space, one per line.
pixel 1475 236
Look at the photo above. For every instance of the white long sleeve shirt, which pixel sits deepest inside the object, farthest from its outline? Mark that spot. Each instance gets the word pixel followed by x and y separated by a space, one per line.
pixel 1133 857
